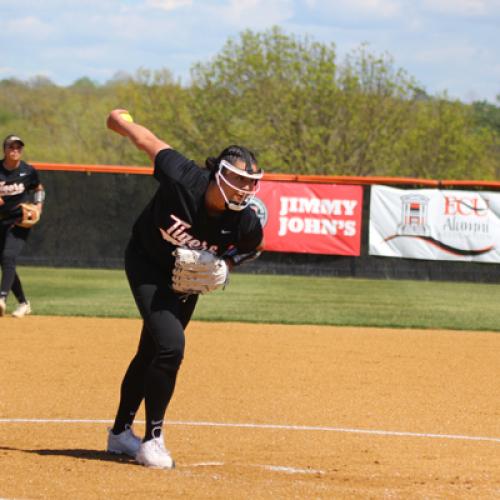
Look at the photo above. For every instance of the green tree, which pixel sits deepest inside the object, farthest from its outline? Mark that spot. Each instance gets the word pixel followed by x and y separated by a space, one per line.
pixel 444 143
pixel 304 112
pixel 487 116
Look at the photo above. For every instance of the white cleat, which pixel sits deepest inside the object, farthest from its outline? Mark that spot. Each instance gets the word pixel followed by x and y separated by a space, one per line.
pixel 22 310
pixel 125 443
pixel 153 453
pixel 3 307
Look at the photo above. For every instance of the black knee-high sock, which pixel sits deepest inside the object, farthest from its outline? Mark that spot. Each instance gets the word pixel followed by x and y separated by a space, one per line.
pixel 160 385
pixel 131 394
pixel 8 276
pixel 17 290
pixel 132 388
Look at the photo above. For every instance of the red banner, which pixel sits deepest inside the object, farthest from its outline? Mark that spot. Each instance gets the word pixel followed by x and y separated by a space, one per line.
pixel 310 218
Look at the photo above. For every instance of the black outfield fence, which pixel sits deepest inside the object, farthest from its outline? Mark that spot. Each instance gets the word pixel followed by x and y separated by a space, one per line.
pixel 88 217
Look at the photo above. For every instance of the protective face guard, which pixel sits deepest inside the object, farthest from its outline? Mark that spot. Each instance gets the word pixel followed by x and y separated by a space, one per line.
pixel 247 194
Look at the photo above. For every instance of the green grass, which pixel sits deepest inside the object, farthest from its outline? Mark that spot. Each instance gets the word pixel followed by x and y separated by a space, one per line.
pixel 280 299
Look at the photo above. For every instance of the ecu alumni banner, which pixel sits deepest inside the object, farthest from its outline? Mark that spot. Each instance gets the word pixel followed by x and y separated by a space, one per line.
pixel 435 224
pixel 310 218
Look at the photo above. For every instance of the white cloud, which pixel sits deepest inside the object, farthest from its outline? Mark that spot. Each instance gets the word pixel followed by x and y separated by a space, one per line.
pixel 462 7
pixel 254 13
pixel 446 53
pixel 495 69
pixel 355 9
pixel 28 26
pixel 7 70
pixel 382 8
pixel 168 4
pixel 414 24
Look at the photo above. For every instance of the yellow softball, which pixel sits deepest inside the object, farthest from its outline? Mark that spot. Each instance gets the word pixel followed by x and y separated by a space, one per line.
pixel 127 117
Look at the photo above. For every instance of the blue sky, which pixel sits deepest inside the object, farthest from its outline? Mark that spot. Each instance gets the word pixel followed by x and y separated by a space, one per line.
pixel 446 45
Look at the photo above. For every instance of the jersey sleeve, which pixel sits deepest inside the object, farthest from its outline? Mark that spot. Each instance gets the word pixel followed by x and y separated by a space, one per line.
pixel 250 233
pixel 172 167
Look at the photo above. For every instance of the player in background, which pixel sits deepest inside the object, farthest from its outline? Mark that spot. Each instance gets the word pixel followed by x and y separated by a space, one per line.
pixel 19 185
pixel 201 210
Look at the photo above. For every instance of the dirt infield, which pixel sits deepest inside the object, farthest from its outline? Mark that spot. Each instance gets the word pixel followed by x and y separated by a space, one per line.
pixel 260 411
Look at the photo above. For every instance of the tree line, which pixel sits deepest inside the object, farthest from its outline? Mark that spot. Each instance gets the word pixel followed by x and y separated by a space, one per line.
pixel 290 99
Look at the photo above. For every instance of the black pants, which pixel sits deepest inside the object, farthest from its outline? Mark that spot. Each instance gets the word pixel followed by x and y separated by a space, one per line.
pixel 152 373
pixel 12 241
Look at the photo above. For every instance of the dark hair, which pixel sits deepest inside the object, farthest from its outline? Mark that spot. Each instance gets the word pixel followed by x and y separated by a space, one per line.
pixel 232 154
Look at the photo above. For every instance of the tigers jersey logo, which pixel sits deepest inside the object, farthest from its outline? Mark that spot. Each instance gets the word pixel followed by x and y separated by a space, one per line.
pixel 177 235
pixel 11 189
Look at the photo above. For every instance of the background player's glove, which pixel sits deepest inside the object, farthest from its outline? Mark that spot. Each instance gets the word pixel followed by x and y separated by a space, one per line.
pixel 30 215
pixel 198 271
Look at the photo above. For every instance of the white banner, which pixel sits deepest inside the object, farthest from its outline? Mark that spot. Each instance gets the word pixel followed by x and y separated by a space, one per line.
pixel 435 224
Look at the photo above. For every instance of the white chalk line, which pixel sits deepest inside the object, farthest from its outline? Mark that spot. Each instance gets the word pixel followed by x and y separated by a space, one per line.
pixel 202 464
pixel 273 468
pixel 290 470
pixel 373 432
pixel 286 469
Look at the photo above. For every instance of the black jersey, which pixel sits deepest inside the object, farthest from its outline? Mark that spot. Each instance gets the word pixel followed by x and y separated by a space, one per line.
pixel 15 188
pixel 176 215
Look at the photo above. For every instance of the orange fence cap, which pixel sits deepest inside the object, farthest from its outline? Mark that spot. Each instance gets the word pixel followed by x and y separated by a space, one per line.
pixel 328 179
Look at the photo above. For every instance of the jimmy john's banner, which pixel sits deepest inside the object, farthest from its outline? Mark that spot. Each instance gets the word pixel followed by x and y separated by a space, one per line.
pixel 435 224
pixel 310 218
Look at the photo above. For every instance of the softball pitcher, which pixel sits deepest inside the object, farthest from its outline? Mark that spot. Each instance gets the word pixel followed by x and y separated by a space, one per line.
pixel 197 226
